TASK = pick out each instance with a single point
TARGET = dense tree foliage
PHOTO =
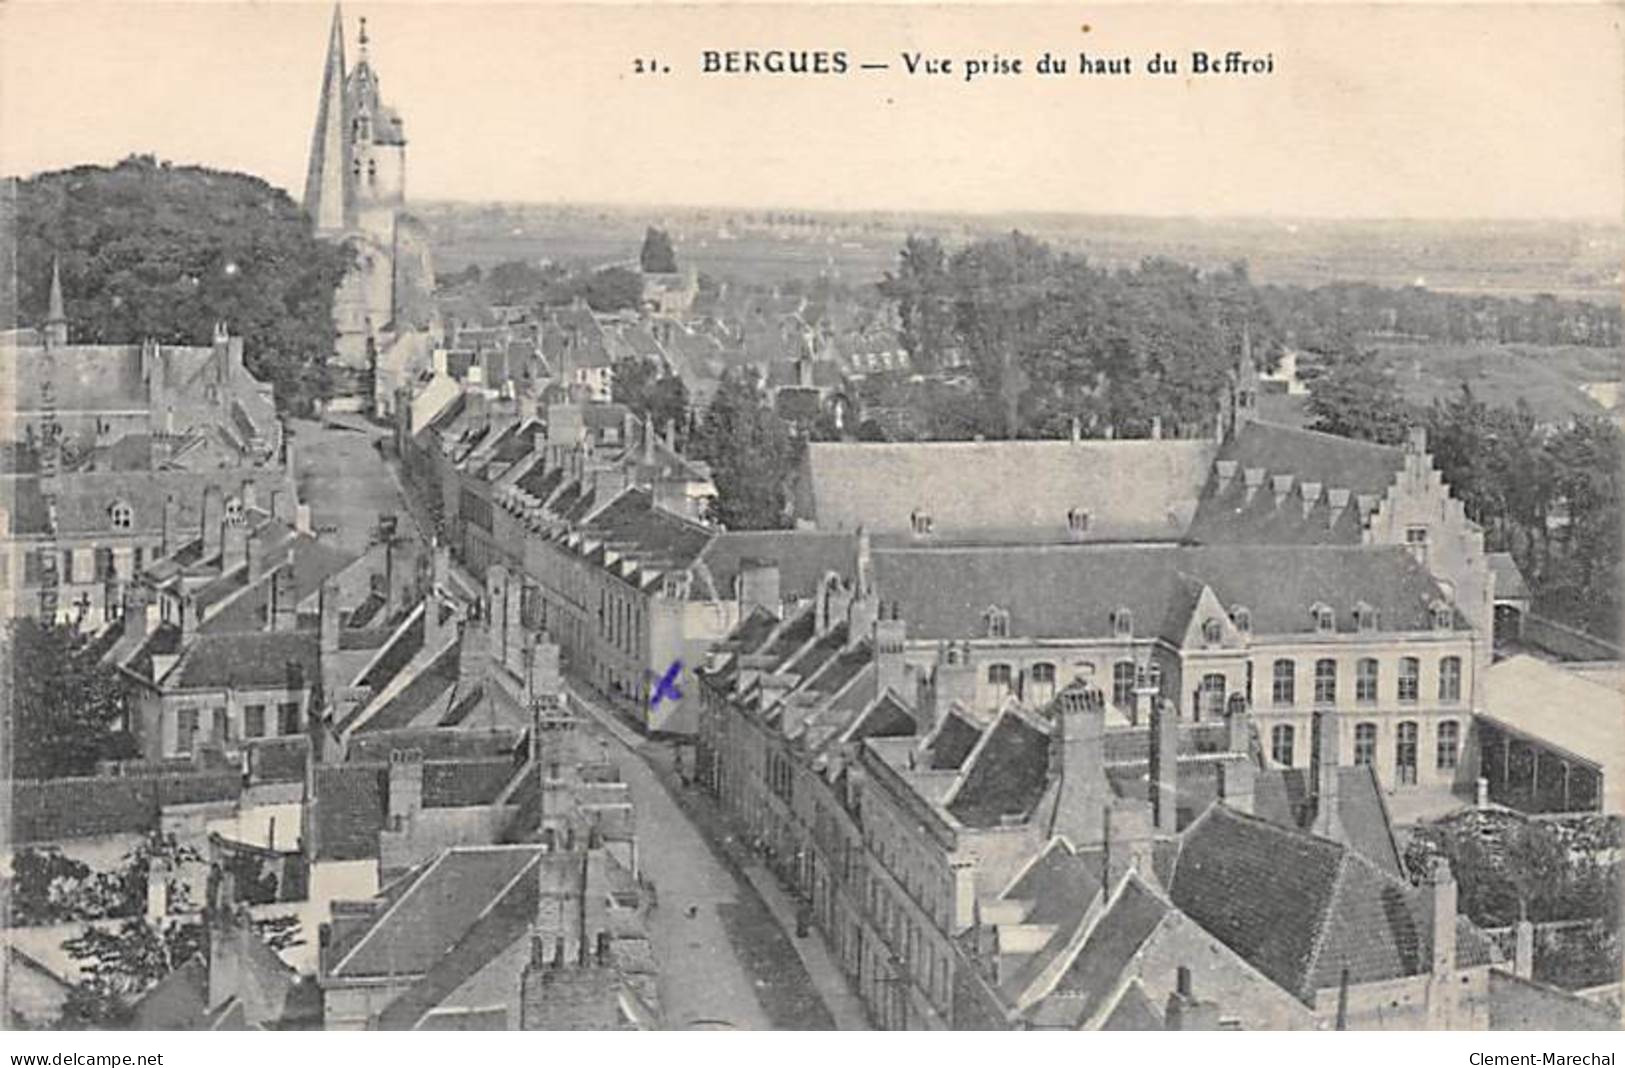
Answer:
(1350, 396)
(66, 710)
(658, 256)
(752, 456)
(151, 250)
(640, 385)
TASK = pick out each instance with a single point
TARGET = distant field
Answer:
(1548, 377)
(1567, 259)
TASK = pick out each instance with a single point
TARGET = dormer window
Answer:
(1077, 520)
(1444, 617)
(921, 523)
(121, 515)
(997, 622)
(234, 510)
(1242, 617)
(1365, 617)
(1325, 618)
(1123, 623)
(1212, 632)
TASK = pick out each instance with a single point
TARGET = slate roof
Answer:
(430, 685)
(84, 499)
(1134, 1011)
(1116, 937)
(1072, 591)
(256, 660)
(638, 529)
(803, 558)
(1509, 581)
(1300, 908)
(1281, 795)
(351, 806)
(177, 1002)
(441, 904)
(1140, 490)
(1005, 776)
(953, 740)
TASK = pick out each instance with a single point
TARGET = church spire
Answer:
(324, 181)
(56, 319)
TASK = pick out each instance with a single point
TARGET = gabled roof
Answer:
(803, 558)
(1005, 776)
(1281, 795)
(1095, 972)
(1142, 490)
(254, 660)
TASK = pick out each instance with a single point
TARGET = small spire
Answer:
(56, 314)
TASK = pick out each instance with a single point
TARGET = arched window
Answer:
(1213, 687)
(1410, 678)
(997, 622)
(1325, 681)
(1284, 682)
(1044, 673)
(1281, 739)
(1405, 753)
(1365, 743)
(1450, 678)
(1212, 632)
(121, 515)
(1365, 680)
(1123, 683)
(1449, 748)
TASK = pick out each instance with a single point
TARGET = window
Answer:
(921, 522)
(1449, 744)
(104, 564)
(1284, 682)
(234, 509)
(1450, 679)
(1123, 683)
(1365, 617)
(998, 674)
(222, 726)
(1416, 535)
(1365, 680)
(1077, 520)
(1242, 617)
(1044, 673)
(1326, 682)
(287, 717)
(1410, 678)
(1281, 745)
(1444, 617)
(1365, 743)
(1212, 632)
(185, 731)
(253, 721)
(1325, 618)
(1213, 687)
(997, 621)
(1123, 623)
(121, 515)
(1405, 753)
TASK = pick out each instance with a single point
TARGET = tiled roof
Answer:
(803, 558)
(350, 810)
(1509, 581)
(177, 1002)
(1281, 795)
(84, 500)
(952, 741)
(429, 686)
(462, 783)
(1140, 490)
(440, 906)
(434, 743)
(885, 718)
(634, 527)
(56, 809)
(1134, 1012)
(1006, 774)
(1112, 943)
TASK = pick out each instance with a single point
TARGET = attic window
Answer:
(1242, 617)
(1212, 632)
(121, 515)
(1444, 617)
(997, 621)
(1077, 520)
(921, 522)
(1123, 623)
(1365, 617)
(1325, 618)
(234, 510)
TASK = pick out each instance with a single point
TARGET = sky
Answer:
(1373, 111)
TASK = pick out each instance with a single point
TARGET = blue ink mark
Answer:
(667, 689)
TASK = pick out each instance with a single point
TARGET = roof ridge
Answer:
(1326, 436)
(1322, 926)
(379, 922)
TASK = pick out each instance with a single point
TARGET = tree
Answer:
(515, 282)
(657, 257)
(640, 384)
(751, 454)
(922, 291)
(151, 250)
(66, 708)
(1352, 398)
(613, 289)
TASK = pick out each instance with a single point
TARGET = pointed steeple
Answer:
(56, 319)
(324, 181)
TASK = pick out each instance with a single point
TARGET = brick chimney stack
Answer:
(1323, 772)
(1080, 734)
(214, 510)
(759, 587)
(405, 785)
(890, 641)
(1164, 773)
(233, 546)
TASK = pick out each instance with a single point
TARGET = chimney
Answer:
(301, 520)
(1337, 500)
(1156, 428)
(1238, 725)
(953, 680)
(214, 510)
(157, 890)
(1185, 1012)
(1077, 430)
(1080, 732)
(1442, 893)
(1523, 949)
(442, 565)
(249, 494)
(1128, 836)
(434, 633)
(1238, 784)
(544, 678)
(1252, 478)
(1226, 472)
(282, 506)
(513, 629)
(1164, 767)
(233, 546)
(648, 441)
(1323, 772)
(405, 785)
(172, 527)
(328, 640)
(284, 597)
(1416, 440)
(254, 553)
(496, 613)
(890, 635)
(137, 600)
(1481, 793)
(1282, 486)
(759, 587)
(1311, 495)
